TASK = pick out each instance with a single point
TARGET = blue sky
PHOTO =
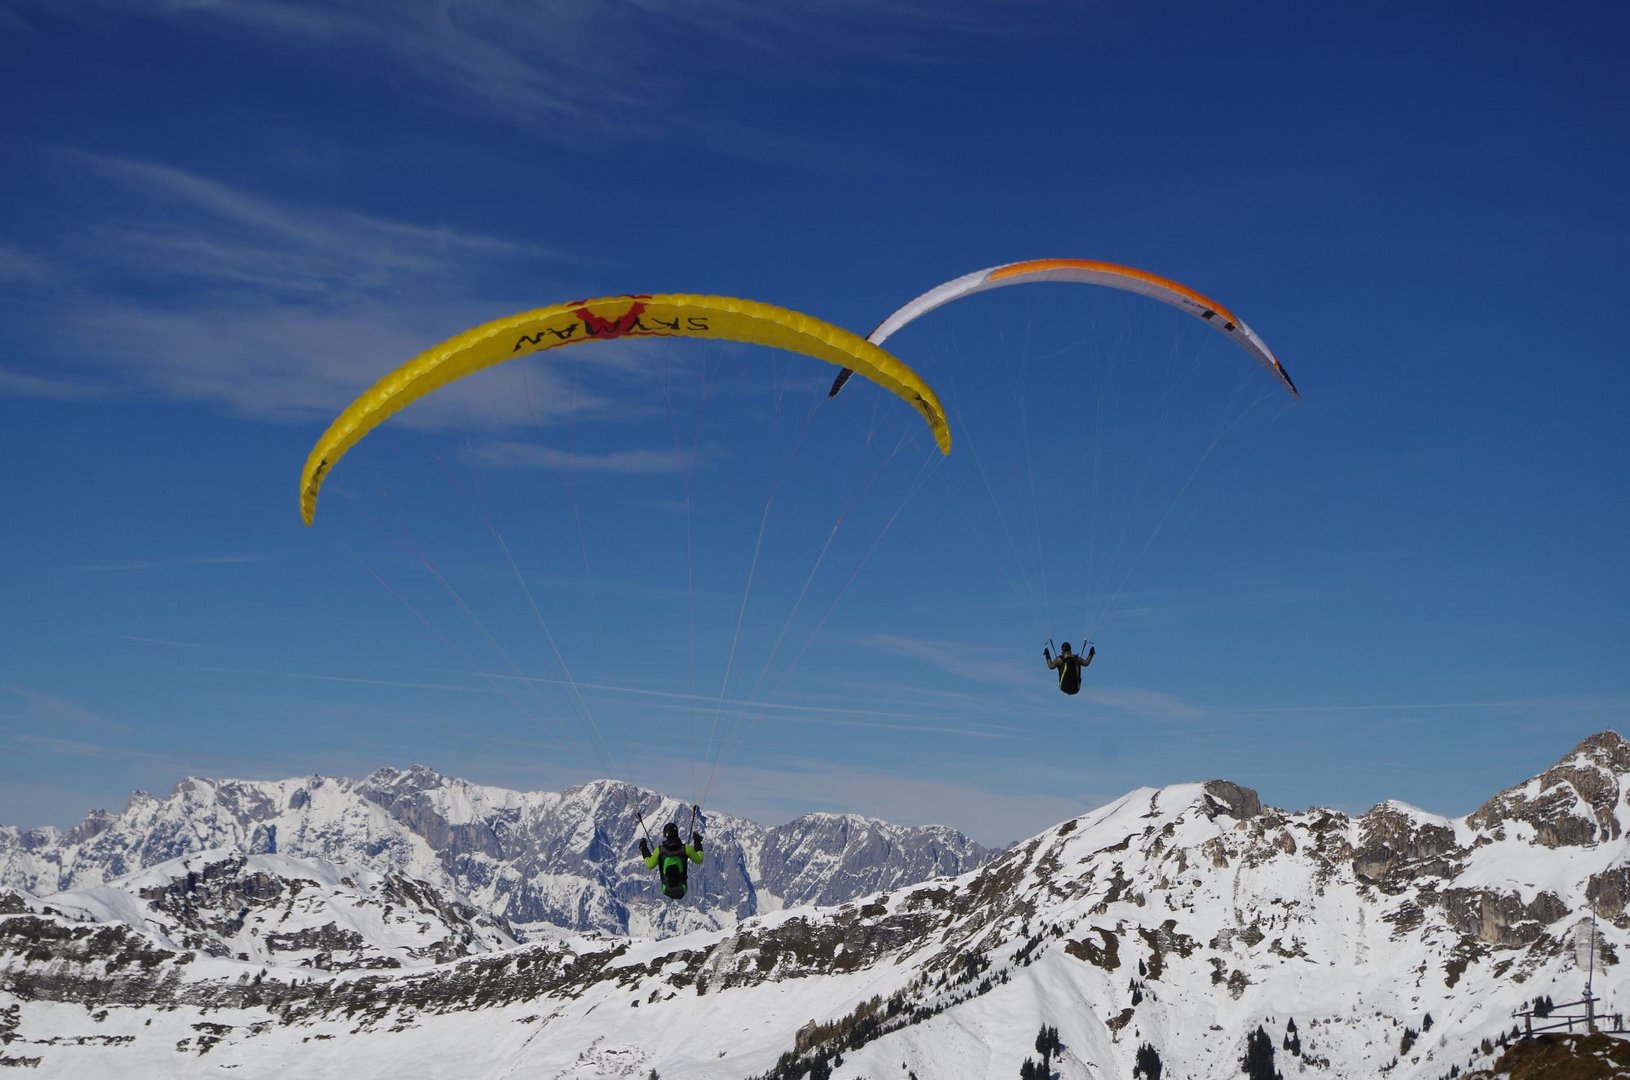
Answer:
(220, 222)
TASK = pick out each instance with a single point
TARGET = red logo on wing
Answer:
(599, 327)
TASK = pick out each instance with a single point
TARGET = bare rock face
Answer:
(96, 822)
(1574, 803)
(1609, 894)
(1395, 849)
(410, 800)
(832, 858)
(214, 898)
(1241, 803)
(1501, 918)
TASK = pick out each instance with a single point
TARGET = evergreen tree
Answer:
(1047, 1043)
(1030, 1070)
(1258, 1060)
(1149, 1065)
(1426, 1025)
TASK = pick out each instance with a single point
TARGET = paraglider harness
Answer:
(1069, 668)
(673, 856)
(671, 862)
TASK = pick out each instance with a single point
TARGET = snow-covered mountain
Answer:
(275, 909)
(535, 859)
(1169, 934)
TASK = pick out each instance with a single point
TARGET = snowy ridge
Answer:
(1175, 922)
(287, 912)
(534, 859)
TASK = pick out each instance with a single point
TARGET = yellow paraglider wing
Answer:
(662, 315)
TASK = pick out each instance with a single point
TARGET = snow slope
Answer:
(1176, 920)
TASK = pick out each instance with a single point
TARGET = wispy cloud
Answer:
(164, 564)
(278, 310)
(968, 661)
(18, 384)
(21, 267)
(605, 66)
(1148, 704)
(161, 642)
(529, 455)
(1615, 704)
(544, 63)
(294, 363)
(224, 235)
(99, 750)
(401, 684)
(285, 311)
(56, 711)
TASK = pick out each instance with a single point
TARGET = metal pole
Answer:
(1590, 977)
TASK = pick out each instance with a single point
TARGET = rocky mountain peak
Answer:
(1240, 803)
(1398, 845)
(1607, 747)
(415, 777)
(1576, 802)
(95, 823)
